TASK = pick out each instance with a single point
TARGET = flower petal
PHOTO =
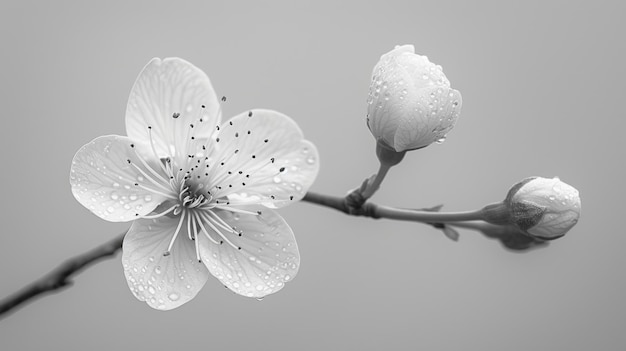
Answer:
(163, 282)
(268, 159)
(168, 96)
(434, 114)
(268, 257)
(105, 182)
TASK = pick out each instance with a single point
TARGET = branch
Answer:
(353, 204)
(60, 277)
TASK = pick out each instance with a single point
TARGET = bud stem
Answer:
(388, 158)
(374, 185)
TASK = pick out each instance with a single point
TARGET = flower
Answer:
(542, 208)
(199, 192)
(410, 102)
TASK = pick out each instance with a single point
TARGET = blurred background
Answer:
(542, 86)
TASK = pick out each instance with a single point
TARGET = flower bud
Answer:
(543, 208)
(410, 102)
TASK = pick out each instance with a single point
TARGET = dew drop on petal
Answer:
(173, 296)
(277, 179)
(147, 198)
(133, 197)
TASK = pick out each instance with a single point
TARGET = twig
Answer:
(61, 276)
(353, 204)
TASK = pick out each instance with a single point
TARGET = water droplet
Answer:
(133, 197)
(116, 185)
(110, 209)
(441, 140)
(173, 296)
(151, 290)
(114, 196)
(277, 180)
(147, 198)
(259, 287)
(157, 270)
(287, 277)
(310, 160)
(140, 178)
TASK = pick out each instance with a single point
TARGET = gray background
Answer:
(543, 94)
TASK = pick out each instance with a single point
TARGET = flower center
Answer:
(193, 183)
(188, 199)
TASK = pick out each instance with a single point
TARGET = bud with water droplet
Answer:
(410, 102)
(542, 208)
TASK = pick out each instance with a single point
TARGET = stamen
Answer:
(220, 222)
(156, 155)
(236, 210)
(206, 233)
(152, 180)
(180, 224)
(167, 195)
(209, 222)
(152, 170)
(162, 213)
(197, 239)
(189, 228)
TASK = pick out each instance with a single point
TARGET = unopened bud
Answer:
(410, 102)
(543, 208)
